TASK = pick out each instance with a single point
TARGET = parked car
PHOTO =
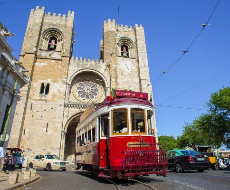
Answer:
(47, 162)
(181, 160)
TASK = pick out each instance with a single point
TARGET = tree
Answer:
(168, 142)
(210, 128)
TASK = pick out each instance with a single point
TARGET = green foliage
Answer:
(210, 128)
(168, 142)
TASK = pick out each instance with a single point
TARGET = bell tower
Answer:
(46, 53)
(123, 50)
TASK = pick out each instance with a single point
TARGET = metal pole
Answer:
(8, 115)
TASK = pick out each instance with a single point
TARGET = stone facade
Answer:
(62, 86)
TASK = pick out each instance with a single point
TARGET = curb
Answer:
(23, 184)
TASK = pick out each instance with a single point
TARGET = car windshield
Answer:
(52, 157)
(189, 152)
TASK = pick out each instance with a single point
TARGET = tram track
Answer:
(114, 184)
(145, 184)
(133, 180)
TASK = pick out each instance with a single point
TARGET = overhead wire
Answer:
(190, 45)
(192, 88)
(180, 107)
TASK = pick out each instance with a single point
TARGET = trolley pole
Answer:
(8, 115)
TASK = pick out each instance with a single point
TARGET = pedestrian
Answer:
(1, 158)
(9, 161)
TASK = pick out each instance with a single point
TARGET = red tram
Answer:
(117, 138)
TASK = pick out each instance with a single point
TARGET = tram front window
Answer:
(138, 120)
(120, 121)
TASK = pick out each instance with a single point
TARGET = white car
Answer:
(47, 162)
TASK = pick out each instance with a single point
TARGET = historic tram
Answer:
(117, 138)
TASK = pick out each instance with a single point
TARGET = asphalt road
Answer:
(71, 180)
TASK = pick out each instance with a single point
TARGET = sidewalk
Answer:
(4, 180)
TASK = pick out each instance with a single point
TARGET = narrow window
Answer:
(93, 135)
(47, 126)
(124, 51)
(89, 137)
(42, 87)
(101, 55)
(85, 140)
(52, 43)
(150, 124)
(47, 89)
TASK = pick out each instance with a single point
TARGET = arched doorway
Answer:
(70, 139)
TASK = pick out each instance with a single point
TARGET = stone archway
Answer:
(70, 138)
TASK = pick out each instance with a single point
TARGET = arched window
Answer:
(126, 47)
(52, 39)
(124, 51)
(52, 43)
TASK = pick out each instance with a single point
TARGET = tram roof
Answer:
(125, 97)
(121, 97)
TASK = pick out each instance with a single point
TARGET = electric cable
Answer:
(192, 88)
(180, 107)
(190, 45)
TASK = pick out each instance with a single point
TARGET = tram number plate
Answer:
(200, 159)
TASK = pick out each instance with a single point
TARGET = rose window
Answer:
(87, 90)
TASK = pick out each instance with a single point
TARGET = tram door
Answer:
(104, 141)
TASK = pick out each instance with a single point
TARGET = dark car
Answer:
(181, 160)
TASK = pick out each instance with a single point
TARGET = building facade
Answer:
(63, 86)
(12, 78)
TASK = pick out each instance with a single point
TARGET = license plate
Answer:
(200, 159)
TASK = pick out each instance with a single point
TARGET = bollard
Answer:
(27, 174)
(33, 172)
(13, 178)
(23, 170)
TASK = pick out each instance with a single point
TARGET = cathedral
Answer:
(61, 86)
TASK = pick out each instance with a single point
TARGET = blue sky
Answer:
(170, 26)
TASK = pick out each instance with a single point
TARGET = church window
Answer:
(52, 39)
(126, 47)
(47, 89)
(44, 89)
(52, 43)
(47, 127)
(87, 90)
(124, 51)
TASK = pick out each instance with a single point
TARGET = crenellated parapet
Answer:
(86, 61)
(109, 25)
(53, 17)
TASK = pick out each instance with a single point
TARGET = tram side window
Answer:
(89, 137)
(78, 141)
(138, 120)
(93, 135)
(105, 125)
(85, 139)
(150, 124)
(82, 139)
(120, 121)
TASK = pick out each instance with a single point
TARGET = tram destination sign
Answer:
(131, 94)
